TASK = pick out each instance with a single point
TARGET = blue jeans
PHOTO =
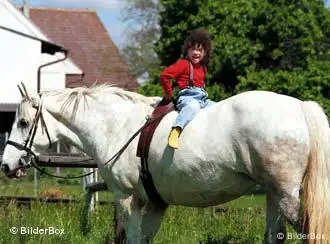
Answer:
(190, 101)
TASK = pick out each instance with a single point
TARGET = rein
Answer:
(112, 160)
(28, 144)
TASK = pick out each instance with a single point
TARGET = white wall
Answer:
(20, 58)
(52, 81)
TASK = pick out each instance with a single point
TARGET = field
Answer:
(240, 221)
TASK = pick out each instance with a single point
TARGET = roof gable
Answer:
(26, 26)
(89, 44)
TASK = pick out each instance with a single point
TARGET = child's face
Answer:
(196, 53)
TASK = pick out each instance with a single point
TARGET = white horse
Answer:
(252, 138)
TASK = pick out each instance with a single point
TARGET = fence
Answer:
(26, 200)
(59, 160)
(74, 160)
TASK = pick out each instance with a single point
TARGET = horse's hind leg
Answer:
(275, 225)
(286, 197)
(151, 220)
(289, 204)
(282, 169)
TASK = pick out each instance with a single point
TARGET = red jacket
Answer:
(180, 73)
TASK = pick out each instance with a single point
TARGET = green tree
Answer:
(312, 83)
(141, 17)
(277, 45)
(246, 33)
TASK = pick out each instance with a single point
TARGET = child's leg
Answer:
(173, 138)
(188, 108)
(207, 103)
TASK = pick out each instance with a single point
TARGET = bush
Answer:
(309, 84)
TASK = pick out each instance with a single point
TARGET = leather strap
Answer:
(143, 151)
(191, 74)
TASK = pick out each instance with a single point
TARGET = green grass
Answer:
(239, 221)
(221, 224)
(59, 216)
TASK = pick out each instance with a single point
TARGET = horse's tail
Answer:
(316, 182)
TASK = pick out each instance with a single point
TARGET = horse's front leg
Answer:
(141, 221)
(151, 219)
(130, 210)
(120, 235)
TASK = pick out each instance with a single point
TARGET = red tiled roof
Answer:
(89, 45)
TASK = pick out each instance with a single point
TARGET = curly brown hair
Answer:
(199, 36)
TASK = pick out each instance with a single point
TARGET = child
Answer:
(189, 74)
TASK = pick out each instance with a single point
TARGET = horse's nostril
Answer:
(5, 168)
(21, 161)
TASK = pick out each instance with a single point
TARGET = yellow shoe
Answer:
(173, 138)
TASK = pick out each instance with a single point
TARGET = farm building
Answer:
(35, 37)
(90, 46)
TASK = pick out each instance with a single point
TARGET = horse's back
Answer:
(230, 146)
(272, 133)
(257, 112)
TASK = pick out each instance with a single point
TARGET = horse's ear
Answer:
(20, 91)
(24, 88)
(35, 102)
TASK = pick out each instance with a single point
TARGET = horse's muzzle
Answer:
(24, 163)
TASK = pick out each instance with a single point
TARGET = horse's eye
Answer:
(23, 123)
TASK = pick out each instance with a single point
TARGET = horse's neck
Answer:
(102, 128)
(60, 132)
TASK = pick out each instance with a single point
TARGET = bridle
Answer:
(31, 159)
(28, 142)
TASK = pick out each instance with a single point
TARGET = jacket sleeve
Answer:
(172, 72)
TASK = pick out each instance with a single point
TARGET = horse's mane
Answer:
(76, 95)
(103, 89)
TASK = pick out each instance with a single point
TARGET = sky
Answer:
(109, 12)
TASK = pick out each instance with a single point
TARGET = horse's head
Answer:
(28, 133)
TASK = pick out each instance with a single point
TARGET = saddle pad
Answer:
(160, 111)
